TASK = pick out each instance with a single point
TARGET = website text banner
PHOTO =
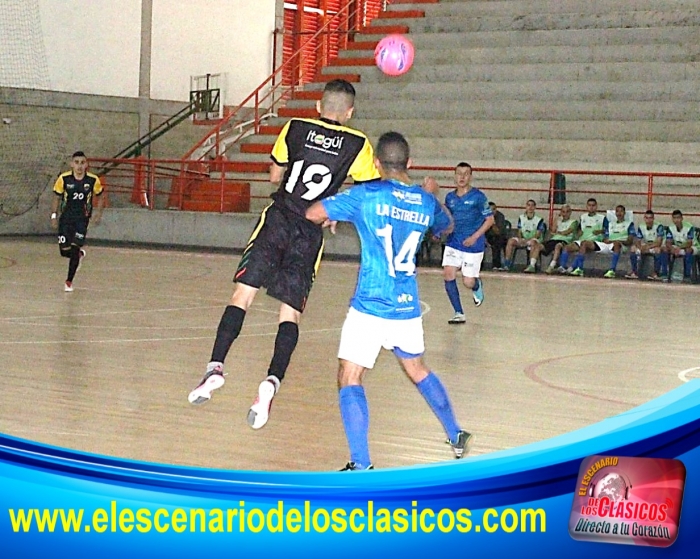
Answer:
(60, 503)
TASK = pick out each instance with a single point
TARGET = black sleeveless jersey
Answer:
(76, 194)
(319, 154)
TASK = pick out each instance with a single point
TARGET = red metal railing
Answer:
(272, 91)
(163, 184)
(649, 191)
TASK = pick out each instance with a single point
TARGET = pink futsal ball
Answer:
(394, 55)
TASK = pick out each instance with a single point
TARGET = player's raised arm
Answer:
(431, 185)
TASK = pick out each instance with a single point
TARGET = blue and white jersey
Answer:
(391, 219)
(469, 212)
(650, 235)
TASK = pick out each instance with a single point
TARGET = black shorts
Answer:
(71, 232)
(550, 245)
(282, 255)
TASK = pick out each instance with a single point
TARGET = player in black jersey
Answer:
(75, 191)
(310, 160)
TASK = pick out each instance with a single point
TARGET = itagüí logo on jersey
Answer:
(326, 142)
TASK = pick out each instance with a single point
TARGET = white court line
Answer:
(683, 374)
(138, 340)
(426, 308)
(101, 313)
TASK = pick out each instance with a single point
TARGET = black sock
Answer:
(229, 328)
(285, 343)
(74, 261)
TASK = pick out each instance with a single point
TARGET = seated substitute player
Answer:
(592, 226)
(310, 160)
(75, 191)
(619, 234)
(464, 249)
(391, 216)
(530, 232)
(562, 234)
(650, 238)
(679, 242)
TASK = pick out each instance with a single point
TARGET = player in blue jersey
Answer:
(464, 249)
(391, 216)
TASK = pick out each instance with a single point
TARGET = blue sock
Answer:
(578, 262)
(688, 263)
(355, 415)
(477, 285)
(634, 261)
(615, 260)
(435, 394)
(507, 263)
(663, 259)
(453, 295)
(657, 263)
(564, 259)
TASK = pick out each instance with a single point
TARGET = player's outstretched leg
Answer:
(354, 413)
(228, 330)
(435, 394)
(478, 292)
(285, 344)
(259, 412)
(453, 295)
(73, 265)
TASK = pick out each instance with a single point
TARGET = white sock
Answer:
(274, 380)
(533, 262)
(213, 365)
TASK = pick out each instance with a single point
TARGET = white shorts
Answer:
(364, 335)
(607, 248)
(604, 248)
(469, 262)
(652, 250)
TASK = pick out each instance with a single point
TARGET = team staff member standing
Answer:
(74, 191)
(464, 249)
(310, 160)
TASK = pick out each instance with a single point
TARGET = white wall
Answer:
(92, 46)
(195, 37)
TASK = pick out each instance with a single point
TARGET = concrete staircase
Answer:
(532, 84)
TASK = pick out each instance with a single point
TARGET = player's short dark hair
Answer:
(592, 200)
(393, 151)
(533, 202)
(463, 164)
(78, 154)
(338, 95)
(340, 86)
(621, 206)
(677, 212)
(492, 203)
(649, 212)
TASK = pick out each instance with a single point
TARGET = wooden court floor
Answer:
(107, 369)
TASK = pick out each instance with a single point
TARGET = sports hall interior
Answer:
(551, 101)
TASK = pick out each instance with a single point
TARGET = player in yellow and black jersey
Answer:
(75, 191)
(310, 160)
